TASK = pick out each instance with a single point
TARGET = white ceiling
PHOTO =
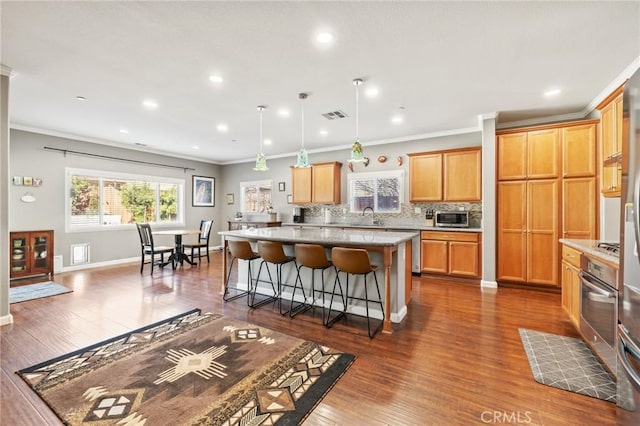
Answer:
(444, 63)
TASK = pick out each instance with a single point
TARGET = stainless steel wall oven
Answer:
(599, 308)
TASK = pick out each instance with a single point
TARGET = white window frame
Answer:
(247, 184)
(102, 174)
(353, 177)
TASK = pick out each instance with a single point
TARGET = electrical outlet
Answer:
(417, 210)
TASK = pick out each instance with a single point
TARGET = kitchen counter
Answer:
(589, 247)
(391, 249)
(399, 227)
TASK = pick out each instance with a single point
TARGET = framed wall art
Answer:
(230, 198)
(203, 191)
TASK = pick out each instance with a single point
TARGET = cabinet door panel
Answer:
(542, 153)
(579, 208)
(579, 151)
(325, 183)
(512, 231)
(512, 156)
(463, 259)
(301, 185)
(434, 256)
(462, 180)
(425, 180)
(542, 232)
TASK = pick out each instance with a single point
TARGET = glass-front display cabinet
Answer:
(31, 253)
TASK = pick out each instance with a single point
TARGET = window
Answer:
(255, 196)
(106, 200)
(380, 190)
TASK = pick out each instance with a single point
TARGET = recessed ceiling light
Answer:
(81, 98)
(215, 78)
(124, 131)
(397, 119)
(324, 37)
(195, 147)
(372, 92)
(150, 104)
(283, 112)
(267, 142)
(323, 132)
(551, 93)
(222, 127)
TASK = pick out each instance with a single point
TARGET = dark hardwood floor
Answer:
(456, 359)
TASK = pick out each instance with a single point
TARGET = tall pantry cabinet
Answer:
(546, 191)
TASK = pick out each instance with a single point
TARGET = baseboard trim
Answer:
(488, 284)
(6, 320)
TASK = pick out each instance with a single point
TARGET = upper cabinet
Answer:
(579, 151)
(529, 155)
(320, 183)
(611, 129)
(453, 175)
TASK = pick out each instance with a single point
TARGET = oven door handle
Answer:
(625, 344)
(593, 285)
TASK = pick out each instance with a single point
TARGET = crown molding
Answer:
(542, 120)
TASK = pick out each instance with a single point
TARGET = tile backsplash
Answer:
(407, 216)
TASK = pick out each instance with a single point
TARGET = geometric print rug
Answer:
(194, 368)
(567, 363)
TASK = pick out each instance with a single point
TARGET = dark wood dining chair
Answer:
(201, 244)
(148, 247)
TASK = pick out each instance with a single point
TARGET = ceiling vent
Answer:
(335, 115)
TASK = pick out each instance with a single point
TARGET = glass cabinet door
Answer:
(19, 253)
(40, 254)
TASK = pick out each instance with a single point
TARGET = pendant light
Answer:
(261, 161)
(356, 149)
(303, 157)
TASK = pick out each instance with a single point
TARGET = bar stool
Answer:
(314, 257)
(240, 249)
(273, 252)
(356, 262)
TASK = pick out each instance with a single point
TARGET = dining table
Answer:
(178, 255)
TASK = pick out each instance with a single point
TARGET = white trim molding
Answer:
(6, 320)
(488, 284)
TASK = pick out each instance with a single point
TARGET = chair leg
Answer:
(142, 262)
(331, 321)
(251, 300)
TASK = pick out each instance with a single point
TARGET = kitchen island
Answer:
(389, 249)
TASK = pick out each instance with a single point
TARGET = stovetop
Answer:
(612, 249)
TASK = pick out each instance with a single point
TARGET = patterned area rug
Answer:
(195, 368)
(36, 291)
(567, 363)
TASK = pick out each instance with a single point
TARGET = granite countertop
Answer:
(325, 236)
(399, 227)
(589, 247)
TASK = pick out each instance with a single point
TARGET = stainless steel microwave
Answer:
(452, 219)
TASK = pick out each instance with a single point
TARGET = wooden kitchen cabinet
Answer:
(579, 208)
(466, 164)
(530, 154)
(611, 130)
(571, 283)
(528, 231)
(579, 150)
(321, 183)
(425, 177)
(451, 176)
(31, 253)
(450, 253)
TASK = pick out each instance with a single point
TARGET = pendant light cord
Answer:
(302, 115)
(357, 82)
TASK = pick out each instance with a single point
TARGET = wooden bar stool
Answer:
(314, 257)
(240, 249)
(273, 252)
(355, 262)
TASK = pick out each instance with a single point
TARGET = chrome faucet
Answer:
(372, 214)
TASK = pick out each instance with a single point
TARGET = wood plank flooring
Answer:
(456, 359)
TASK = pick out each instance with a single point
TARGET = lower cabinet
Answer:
(450, 253)
(571, 283)
(31, 253)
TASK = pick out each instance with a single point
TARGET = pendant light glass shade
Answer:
(261, 160)
(303, 157)
(357, 155)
